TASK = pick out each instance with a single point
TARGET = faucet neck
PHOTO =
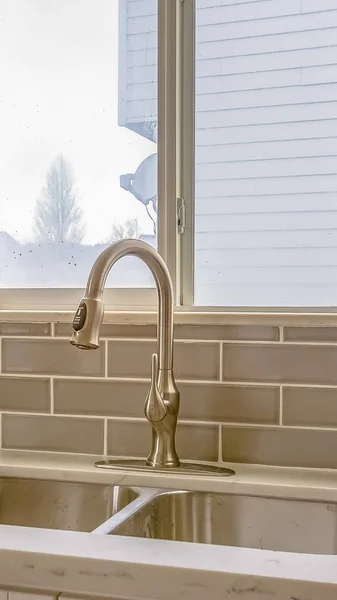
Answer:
(100, 271)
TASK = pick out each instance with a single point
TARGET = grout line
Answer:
(52, 395)
(106, 348)
(57, 415)
(221, 362)
(188, 422)
(52, 329)
(275, 426)
(281, 405)
(176, 340)
(73, 454)
(191, 341)
(37, 338)
(105, 438)
(219, 444)
(209, 382)
(187, 340)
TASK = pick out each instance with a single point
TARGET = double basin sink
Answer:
(203, 517)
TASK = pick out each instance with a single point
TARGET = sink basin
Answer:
(233, 520)
(60, 504)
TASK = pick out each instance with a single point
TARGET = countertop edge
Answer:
(139, 568)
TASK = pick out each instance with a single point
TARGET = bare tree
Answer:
(128, 229)
(58, 218)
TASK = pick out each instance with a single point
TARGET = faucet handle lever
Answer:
(155, 409)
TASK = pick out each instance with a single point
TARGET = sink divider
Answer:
(145, 495)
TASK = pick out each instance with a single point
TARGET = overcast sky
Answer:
(59, 94)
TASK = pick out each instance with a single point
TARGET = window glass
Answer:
(78, 127)
(266, 153)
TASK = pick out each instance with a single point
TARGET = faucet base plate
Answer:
(183, 469)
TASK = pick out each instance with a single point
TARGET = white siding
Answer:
(138, 64)
(266, 145)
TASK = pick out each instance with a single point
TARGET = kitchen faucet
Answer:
(162, 401)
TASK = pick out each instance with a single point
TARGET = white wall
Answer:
(266, 145)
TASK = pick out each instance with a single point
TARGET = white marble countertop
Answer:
(80, 563)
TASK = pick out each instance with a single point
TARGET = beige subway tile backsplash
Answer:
(280, 446)
(29, 329)
(310, 334)
(24, 394)
(133, 438)
(243, 397)
(50, 357)
(313, 407)
(52, 433)
(278, 363)
(191, 360)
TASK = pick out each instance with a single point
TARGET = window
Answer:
(240, 98)
(78, 165)
(266, 153)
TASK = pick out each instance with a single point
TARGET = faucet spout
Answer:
(162, 403)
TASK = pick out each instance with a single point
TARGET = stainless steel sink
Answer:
(60, 504)
(232, 520)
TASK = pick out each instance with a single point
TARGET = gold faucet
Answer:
(162, 402)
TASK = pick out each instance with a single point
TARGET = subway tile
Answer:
(63, 330)
(227, 332)
(310, 406)
(196, 360)
(31, 596)
(204, 402)
(280, 446)
(52, 357)
(133, 438)
(214, 402)
(310, 334)
(111, 330)
(8, 329)
(24, 394)
(130, 359)
(278, 363)
(191, 360)
(52, 433)
(107, 398)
